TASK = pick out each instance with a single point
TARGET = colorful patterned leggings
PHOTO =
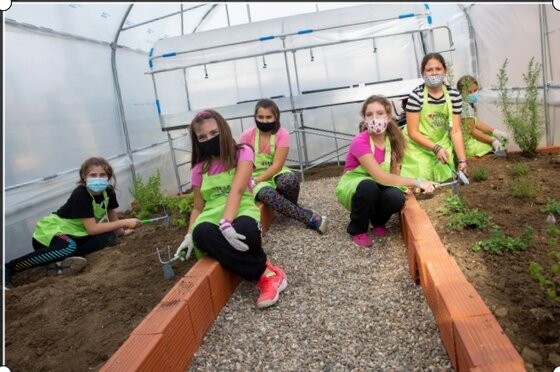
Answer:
(284, 198)
(61, 246)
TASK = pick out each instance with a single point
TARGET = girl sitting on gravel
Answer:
(369, 187)
(274, 184)
(224, 222)
(86, 223)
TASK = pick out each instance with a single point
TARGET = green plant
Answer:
(148, 196)
(480, 174)
(520, 169)
(525, 119)
(469, 219)
(549, 280)
(524, 187)
(499, 242)
(552, 207)
(453, 204)
(182, 206)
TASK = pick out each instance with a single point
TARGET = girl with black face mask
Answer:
(224, 221)
(274, 184)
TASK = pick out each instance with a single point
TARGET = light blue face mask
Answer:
(473, 97)
(97, 184)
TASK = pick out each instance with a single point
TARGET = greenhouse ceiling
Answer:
(140, 25)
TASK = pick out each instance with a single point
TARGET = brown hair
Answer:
(228, 146)
(94, 162)
(430, 56)
(270, 104)
(396, 137)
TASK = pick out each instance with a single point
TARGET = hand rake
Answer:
(165, 219)
(168, 272)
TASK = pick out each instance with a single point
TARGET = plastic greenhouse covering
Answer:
(123, 80)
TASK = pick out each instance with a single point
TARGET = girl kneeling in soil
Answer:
(86, 223)
(480, 138)
(276, 185)
(224, 222)
(369, 186)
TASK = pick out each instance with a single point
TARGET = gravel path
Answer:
(345, 307)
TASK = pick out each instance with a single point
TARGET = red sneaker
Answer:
(271, 286)
(363, 240)
(379, 231)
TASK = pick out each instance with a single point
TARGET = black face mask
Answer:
(264, 127)
(211, 147)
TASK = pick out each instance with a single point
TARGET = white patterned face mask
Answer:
(377, 126)
(434, 80)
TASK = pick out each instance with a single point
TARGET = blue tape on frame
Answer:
(267, 38)
(308, 31)
(172, 54)
(151, 64)
(429, 19)
(158, 108)
(151, 52)
(407, 15)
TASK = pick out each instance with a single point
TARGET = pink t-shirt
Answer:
(358, 147)
(244, 153)
(281, 139)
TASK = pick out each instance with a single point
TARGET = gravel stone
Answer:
(345, 307)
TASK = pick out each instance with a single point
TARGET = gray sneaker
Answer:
(68, 266)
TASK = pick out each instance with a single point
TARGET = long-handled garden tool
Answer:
(165, 219)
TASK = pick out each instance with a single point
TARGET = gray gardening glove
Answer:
(497, 145)
(499, 134)
(186, 244)
(233, 238)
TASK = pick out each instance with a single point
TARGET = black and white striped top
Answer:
(416, 98)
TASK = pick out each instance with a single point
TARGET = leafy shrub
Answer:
(525, 119)
(148, 196)
(182, 206)
(499, 242)
(480, 174)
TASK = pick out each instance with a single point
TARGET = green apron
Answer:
(263, 162)
(474, 147)
(215, 190)
(435, 123)
(348, 183)
(52, 225)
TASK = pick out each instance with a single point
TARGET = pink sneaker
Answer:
(363, 240)
(379, 231)
(271, 286)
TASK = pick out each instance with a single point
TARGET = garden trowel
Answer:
(502, 153)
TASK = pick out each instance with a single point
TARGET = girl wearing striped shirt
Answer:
(433, 133)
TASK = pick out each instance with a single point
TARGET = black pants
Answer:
(61, 247)
(373, 203)
(249, 265)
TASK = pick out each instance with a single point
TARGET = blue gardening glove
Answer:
(233, 238)
(188, 244)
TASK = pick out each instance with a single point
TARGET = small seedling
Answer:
(480, 174)
(470, 219)
(499, 242)
(520, 169)
(552, 207)
(524, 187)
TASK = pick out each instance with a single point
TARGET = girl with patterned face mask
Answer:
(371, 188)
(433, 136)
(275, 185)
(86, 223)
(480, 138)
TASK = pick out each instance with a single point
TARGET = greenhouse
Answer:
(124, 81)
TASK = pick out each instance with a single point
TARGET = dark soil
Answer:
(530, 319)
(75, 323)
